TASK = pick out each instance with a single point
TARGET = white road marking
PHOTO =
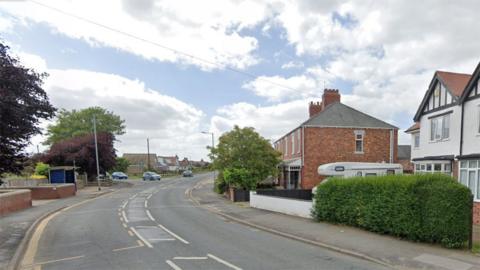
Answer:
(130, 232)
(190, 258)
(131, 198)
(145, 204)
(174, 266)
(174, 235)
(125, 204)
(141, 238)
(150, 215)
(145, 227)
(124, 225)
(224, 262)
(126, 248)
(149, 196)
(60, 260)
(124, 216)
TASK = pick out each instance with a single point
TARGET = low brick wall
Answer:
(14, 200)
(48, 192)
(476, 213)
(287, 206)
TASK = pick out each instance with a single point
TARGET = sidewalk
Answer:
(14, 226)
(395, 252)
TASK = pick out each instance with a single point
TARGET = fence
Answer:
(299, 194)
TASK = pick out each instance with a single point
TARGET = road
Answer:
(153, 225)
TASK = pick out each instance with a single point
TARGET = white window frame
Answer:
(298, 141)
(430, 167)
(416, 140)
(439, 131)
(466, 168)
(292, 138)
(360, 133)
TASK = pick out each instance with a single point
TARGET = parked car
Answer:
(187, 173)
(151, 176)
(119, 175)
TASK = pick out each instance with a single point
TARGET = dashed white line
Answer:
(124, 216)
(150, 215)
(174, 235)
(149, 196)
(141, 238)
(224, 262)
(174, 266)
(125, 204)
(161, 239)
(145, 204)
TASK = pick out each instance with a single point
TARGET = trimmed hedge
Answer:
(430, 208)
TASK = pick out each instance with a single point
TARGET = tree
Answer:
(23, 103)
(241, 152)
(81, 149)
(42, 169)
(75, 123)
(121, 165)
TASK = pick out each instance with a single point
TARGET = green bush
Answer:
(430, 208)
(42, 169)
(239, 178)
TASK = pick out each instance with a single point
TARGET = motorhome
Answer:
(351, 169)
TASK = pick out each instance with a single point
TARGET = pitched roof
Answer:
(169, 161)
(415, 126)
(455, 82)
(340, 115)
(471, 84)
(404, 151)
(135, 159)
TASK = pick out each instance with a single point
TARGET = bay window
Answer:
(470, 176)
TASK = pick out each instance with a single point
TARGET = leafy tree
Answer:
(42, 169)
(23, 103)
(121, 165)
(240, 152)
(81, 149)
(79, 122)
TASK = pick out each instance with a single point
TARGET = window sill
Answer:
(360, 153)
(439, 141)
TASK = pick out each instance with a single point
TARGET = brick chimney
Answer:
(314, 108)
(329, 96)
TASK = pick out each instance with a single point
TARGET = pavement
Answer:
(394, 252)
(155, 225)
(14, 226)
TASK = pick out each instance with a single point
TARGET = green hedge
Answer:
(429, 207)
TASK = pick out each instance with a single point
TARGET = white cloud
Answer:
(293, 64)
(208, 31)
(173, 125)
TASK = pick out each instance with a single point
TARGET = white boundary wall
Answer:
(287, 206)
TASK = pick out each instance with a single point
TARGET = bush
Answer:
(240, 178)
(430, 208)
(42, 169)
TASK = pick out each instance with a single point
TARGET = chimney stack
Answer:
(329, 96)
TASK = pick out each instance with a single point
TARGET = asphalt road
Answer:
(153, 225)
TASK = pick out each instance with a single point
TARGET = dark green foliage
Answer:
(121, 165)
(428, 208)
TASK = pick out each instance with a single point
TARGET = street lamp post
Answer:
(96, 151)
(213, 146)
(148, 154)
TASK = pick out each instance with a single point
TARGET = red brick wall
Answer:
(51, 191)
(288, 140)
(476, 213)
(326, 145)
(407, 165)
(14, 201)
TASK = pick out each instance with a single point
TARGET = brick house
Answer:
(334, 132)
(138, 162)
(446, 133)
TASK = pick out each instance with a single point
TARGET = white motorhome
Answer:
(351, 169)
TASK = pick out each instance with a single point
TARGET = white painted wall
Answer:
(450, 146)
(287, 206)
(471, 137)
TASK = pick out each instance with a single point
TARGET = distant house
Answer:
(184, 164)
(446, 133)
(138, 162)
(404, 156)
(334, 132)
(199, 164)
(168, 163)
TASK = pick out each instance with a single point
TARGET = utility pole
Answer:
(148, 154)
(213, 146)
(96, 151)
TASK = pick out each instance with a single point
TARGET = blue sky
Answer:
(379, 68)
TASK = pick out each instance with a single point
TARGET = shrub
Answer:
(42, 169)
(240, 178)
(431, 208)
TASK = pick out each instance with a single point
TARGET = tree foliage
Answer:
(81, 149)
(75, 123)
(42, 169)
(246, 151)
(121, 165)
(23, 103)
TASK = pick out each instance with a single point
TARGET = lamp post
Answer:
(96, 151)
(213, 146)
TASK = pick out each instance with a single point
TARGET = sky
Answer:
(173, 69)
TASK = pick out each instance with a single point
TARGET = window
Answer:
(292, 138)
(440, 128)
(370, 174)
(285, 146)
(416, 140)
(389, 172)
(359, 141)
(470, 176)
(359, 173)
(434, 167)
(298, 140)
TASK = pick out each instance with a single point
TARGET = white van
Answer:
(351, 169)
